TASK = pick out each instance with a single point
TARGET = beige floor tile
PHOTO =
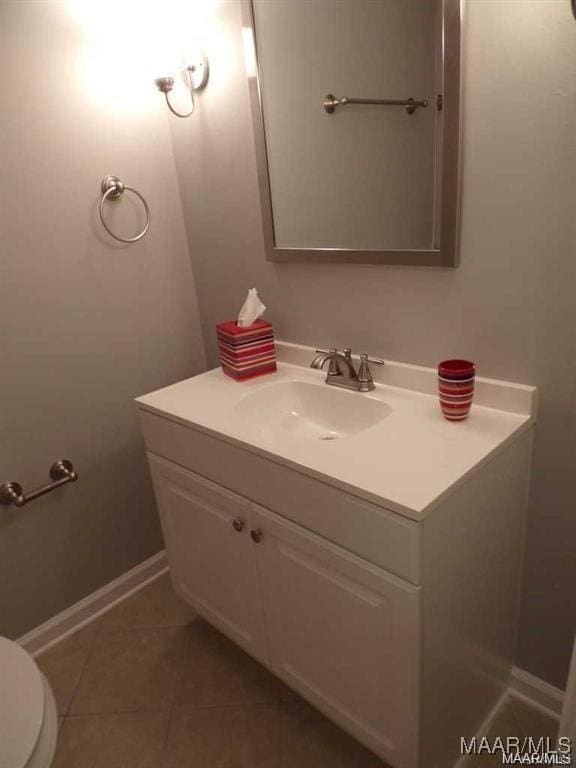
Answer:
(152, 607)
(309, 740)
(533, 722)
(63, 665)
(111, 741)
(505, 723)
(224, 737)
(131, 671)
(216, 672)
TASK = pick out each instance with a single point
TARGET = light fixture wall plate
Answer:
(195, 70)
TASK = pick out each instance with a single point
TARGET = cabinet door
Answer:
(211, 555)
(343, 633)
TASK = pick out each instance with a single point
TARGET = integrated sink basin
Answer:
(309, 410)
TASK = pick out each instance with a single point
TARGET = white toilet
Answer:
(28, 717)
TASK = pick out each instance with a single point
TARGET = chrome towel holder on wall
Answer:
(113, 189)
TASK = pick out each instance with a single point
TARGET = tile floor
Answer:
(150, 685)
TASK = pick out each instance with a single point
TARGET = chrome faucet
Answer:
(341, 371)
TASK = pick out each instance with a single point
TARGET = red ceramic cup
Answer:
(456, 388)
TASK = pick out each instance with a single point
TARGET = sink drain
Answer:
(329, 436)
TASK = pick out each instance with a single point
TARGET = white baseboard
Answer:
(91, 607)
(536, 692)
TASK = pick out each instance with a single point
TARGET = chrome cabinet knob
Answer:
(256, 536)
(238, 525)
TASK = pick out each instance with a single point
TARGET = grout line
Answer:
(184, 710)
(275, 706)
(81, 675)
(177, 682)
(281, 734)
(242, 704)
(116, 713)
(102, 631)
(61, 726)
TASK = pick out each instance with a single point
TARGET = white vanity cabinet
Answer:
(339, 630)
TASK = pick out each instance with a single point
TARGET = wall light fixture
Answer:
(195, 76)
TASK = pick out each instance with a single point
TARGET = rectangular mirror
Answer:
(356, 107)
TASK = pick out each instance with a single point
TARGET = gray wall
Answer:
(511, 304)
(85, 326)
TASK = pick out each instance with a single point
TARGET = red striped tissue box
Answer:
(246, 352)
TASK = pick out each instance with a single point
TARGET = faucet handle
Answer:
(376, 360)
(364, 373)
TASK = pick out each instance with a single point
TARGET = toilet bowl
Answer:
(28, 718)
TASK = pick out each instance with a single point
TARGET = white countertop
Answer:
(406, 463)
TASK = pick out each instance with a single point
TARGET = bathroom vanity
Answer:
(364, 549)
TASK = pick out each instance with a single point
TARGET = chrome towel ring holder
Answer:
(113, 189)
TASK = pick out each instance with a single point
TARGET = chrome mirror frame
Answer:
(445, 251)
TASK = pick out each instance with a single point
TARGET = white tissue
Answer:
(252, 309)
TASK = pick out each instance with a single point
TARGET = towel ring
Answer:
(113, 189)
